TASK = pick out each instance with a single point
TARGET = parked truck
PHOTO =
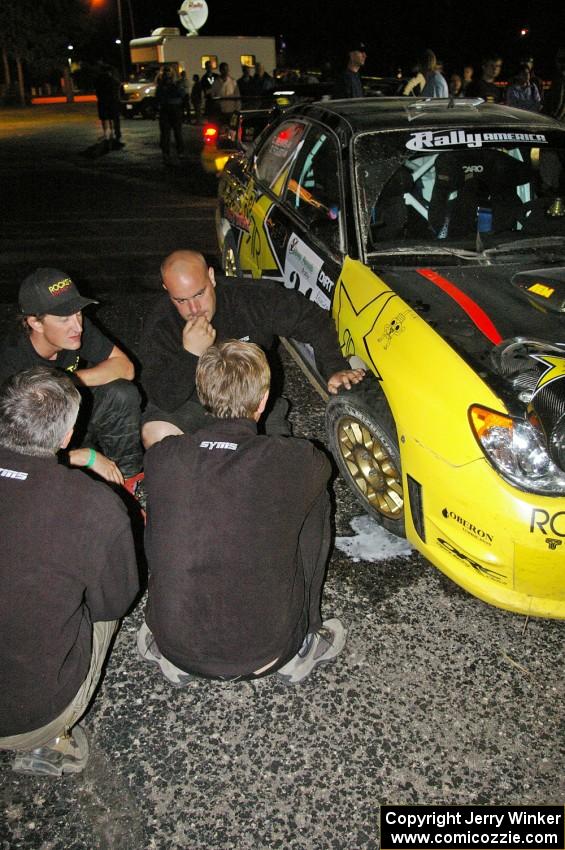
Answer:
(188, 53)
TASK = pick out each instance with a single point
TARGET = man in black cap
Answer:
(348, 83)
(56, 334)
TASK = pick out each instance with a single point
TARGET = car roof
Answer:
(414, 113)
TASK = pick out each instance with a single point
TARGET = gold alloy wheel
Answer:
(230, 263)
(371, 467)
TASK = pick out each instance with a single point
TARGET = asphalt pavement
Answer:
(437, 698)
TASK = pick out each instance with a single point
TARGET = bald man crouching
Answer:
(200, 309)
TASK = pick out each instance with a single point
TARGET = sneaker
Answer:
(149, 651)
(66, 754)
(318, 648)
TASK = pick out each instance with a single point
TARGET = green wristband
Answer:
(91, 458)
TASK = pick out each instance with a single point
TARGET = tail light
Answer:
(210, 134)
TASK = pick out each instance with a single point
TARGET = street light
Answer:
(67, 75)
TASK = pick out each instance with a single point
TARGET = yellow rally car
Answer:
(434, 231)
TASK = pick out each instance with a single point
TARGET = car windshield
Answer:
(415, 197)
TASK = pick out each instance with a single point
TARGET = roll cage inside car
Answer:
(460, 196)
(375, 191)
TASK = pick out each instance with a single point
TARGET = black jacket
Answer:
(226, 508)
(67, 560)
(348, 84)
(255, 311)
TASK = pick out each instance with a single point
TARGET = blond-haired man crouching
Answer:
(237, 538)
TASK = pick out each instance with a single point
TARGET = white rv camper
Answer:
(189, 53)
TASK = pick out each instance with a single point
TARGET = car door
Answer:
(311, 246)
(307, 229)
(262, 194)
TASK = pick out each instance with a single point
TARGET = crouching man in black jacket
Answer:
(67, 572)
(202, 309)
(236, 559)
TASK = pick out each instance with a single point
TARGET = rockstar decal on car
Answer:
(555, 369)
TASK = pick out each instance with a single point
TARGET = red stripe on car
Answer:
(475, 313)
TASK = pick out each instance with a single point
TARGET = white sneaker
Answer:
(318, 648)
(65, 754)
(150, 652)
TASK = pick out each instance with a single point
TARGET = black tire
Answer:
(363, 440)
(148, 110)
(230, 259)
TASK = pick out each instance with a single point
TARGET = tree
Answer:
(34, 34)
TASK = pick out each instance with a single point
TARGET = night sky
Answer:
(395, 33)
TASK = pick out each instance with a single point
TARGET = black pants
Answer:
(111, 421)
(117, 125)
(313, 550)
(313, 547)
(170, 118)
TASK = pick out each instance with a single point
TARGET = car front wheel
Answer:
(363, 440)
(230, 261)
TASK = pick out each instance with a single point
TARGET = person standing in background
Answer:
(456, 85)
(206, 83)
(196, 98)
(468, 72)
(534, 78)
(169, 95)
(261, 82)
(107, 86)
(554, 102)
(486, 87)
(245, 82)
(415, 83)
(522, 93)
(436, 84)
(225, 93)
(183, 83)
(348, 84)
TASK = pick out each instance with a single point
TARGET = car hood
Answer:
(500, 319)
(476, 307)
(135, 87)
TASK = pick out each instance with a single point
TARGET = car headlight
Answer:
(517, 450)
